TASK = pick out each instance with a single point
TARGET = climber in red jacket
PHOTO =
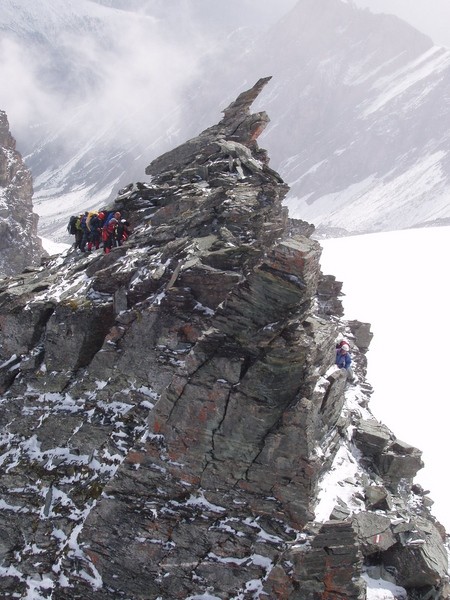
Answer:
(109, 233)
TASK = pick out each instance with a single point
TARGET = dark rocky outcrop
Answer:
(172, 415)
(19, 244)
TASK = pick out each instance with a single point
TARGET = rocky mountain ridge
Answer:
(20, 245)
(172, 416)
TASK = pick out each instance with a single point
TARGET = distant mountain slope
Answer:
(361, 122)
(358, 102)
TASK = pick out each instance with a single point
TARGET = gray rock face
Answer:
(19, 245)
(362, 333)
(171, 413)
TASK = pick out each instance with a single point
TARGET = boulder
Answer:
(419, 559)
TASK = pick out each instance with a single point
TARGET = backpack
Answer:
(88, 219)
(72, 225)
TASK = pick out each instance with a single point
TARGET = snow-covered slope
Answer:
(393, 281)
(360, 123)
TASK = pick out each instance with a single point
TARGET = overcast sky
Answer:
(429, 16)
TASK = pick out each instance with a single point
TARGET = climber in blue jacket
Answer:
(344, 360)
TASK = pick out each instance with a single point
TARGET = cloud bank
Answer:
(89, 67)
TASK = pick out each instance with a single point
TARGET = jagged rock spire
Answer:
(237, 125)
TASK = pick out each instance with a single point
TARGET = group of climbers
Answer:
(91, 229)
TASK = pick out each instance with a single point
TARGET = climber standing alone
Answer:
(344, 360)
